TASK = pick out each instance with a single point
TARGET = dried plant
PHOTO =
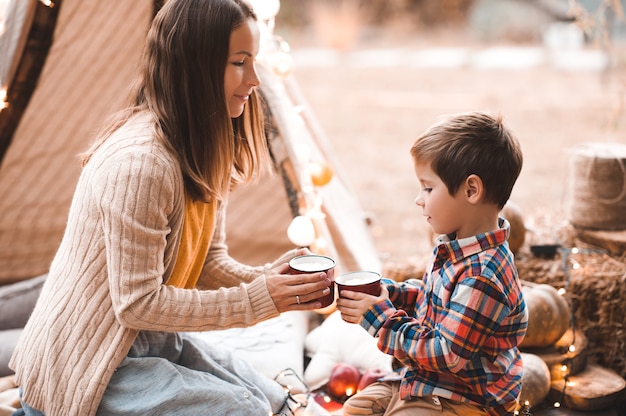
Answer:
(598, 25)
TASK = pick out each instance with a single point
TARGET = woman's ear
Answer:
(474, 189)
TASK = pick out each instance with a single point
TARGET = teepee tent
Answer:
(65, 65)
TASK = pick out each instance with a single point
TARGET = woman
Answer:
(144, 254)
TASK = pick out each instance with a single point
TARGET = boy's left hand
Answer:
(353, 305)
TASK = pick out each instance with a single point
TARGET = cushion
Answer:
(8, 341)
(17, 301)
(337, 341)
(271, 346)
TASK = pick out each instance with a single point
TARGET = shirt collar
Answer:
(457, 250)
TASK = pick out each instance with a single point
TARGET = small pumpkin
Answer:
(535, 380)
(513, 214)
(548, 315)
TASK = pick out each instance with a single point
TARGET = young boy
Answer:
(455, 333)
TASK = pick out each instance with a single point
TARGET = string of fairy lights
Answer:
(308, 228)
(4, 14)
(568, 264)
(4, 6)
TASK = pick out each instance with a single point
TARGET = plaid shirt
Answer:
(456, 331)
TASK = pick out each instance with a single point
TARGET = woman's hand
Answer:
(296, 292)
(286, 257)
(353, 305)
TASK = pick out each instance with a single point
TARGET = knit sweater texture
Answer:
(108, 279)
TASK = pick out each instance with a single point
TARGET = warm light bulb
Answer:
(4, 6)
(321, 173)
(282, 63)
(575, 265)
(47, 3)
(557, 404)
(326, 399)
(301, 231)
(349, 391)
(572, 348)
(561, 291)
(3, 99)
(575, 250)
(564, 368)
(316, 213)
(319, 245)
(303, 150)
(265, 9)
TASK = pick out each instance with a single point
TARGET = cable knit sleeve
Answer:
(221, 270)
(136, 193)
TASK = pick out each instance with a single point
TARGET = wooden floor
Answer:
(616, 411)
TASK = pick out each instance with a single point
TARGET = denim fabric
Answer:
(179, 374)
(26, 410)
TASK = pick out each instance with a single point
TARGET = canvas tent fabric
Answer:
(91, 62)
(86, 74)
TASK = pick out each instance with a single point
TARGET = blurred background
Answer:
(377, 73)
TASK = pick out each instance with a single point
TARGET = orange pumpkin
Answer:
(548, 315)
(513, 214)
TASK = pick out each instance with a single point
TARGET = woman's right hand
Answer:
(296, 292)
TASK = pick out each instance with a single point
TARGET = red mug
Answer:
(313, 263)
(359, 281)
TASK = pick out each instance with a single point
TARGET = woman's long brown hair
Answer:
(182, 86)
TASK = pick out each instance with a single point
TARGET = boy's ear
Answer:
(474, 189)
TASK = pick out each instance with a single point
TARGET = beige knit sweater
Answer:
(106, 281)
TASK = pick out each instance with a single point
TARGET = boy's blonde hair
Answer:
(472, 143)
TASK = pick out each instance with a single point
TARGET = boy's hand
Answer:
(353, 305)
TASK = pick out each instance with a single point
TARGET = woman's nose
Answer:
(253, 78)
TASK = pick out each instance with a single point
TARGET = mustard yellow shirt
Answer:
(197, 232)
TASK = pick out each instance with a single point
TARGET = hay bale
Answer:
(413, 268)
(596, 285)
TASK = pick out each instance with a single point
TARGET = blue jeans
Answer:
(26, 410)
(179, 374)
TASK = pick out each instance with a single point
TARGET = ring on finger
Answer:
(298, 299)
